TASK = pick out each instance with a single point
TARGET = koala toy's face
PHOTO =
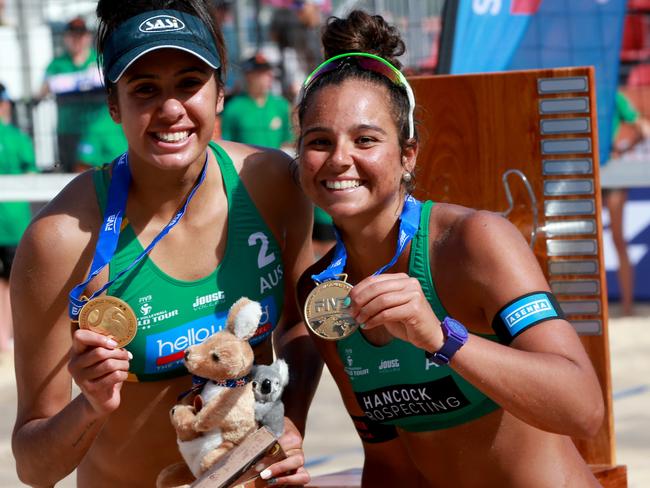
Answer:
(222, 356)
(267, 384)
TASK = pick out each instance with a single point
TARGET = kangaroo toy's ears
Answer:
(244, 317)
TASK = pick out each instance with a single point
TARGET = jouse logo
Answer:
(161, 23)
(201, 301)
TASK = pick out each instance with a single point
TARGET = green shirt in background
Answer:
(16, 157)
(102, 141)
(78, 89)
(243, 120)
(624, 111)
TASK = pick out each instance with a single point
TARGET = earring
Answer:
(407, 177)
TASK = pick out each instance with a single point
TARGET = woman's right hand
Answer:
(99, 368)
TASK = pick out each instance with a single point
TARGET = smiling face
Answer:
(167, 103)
(351, 162)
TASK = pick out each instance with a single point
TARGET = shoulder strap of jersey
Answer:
(420, 263)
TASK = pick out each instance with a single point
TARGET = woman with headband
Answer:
(451, 355)
(152, 250)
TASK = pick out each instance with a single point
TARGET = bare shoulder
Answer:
(479, 260)
(477, 235)
(266, 160)
(270, 177)
(263, 169)
(59, 234)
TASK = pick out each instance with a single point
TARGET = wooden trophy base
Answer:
(240, 467)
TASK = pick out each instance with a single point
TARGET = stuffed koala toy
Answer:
(268, 384)
(223, 415)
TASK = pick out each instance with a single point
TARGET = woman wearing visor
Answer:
(160, 242)
(450, 353)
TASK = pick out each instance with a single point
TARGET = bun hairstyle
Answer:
(362, 32)
(112, 13)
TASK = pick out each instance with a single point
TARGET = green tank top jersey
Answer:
(173, 314)
(396, 384)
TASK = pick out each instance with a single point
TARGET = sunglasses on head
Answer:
(367, 62)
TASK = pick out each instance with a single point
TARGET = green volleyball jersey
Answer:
(173, 314)
(396, 384)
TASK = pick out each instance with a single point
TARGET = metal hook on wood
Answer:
(511, 203)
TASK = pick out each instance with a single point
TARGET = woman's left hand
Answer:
(397, 302)
(291, 470)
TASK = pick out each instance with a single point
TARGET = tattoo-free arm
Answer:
(544, 377)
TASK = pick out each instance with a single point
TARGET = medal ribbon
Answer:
(408, 226)
(109, 233)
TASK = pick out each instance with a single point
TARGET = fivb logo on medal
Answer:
(161, 23)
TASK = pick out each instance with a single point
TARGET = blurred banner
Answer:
(502, 35)
(487, 34)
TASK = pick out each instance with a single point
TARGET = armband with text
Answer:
(525, 312)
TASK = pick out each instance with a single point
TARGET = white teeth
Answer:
(342, 185)
(173, 136)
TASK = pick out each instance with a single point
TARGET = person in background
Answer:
(101, 142)
(257, 116)
(295, 28)
(614, 198)
(16, 157)
(74, 79)
(176, 231)
(451, 354)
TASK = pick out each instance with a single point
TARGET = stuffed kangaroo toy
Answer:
(223, 414)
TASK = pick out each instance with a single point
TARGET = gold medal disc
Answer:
(110, 316)
(325, 313)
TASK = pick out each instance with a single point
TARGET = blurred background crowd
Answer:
(49, 67)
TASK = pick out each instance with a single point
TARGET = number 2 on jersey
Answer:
(264, 258)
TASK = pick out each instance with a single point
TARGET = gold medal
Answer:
(110, 316)
(325, 313)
